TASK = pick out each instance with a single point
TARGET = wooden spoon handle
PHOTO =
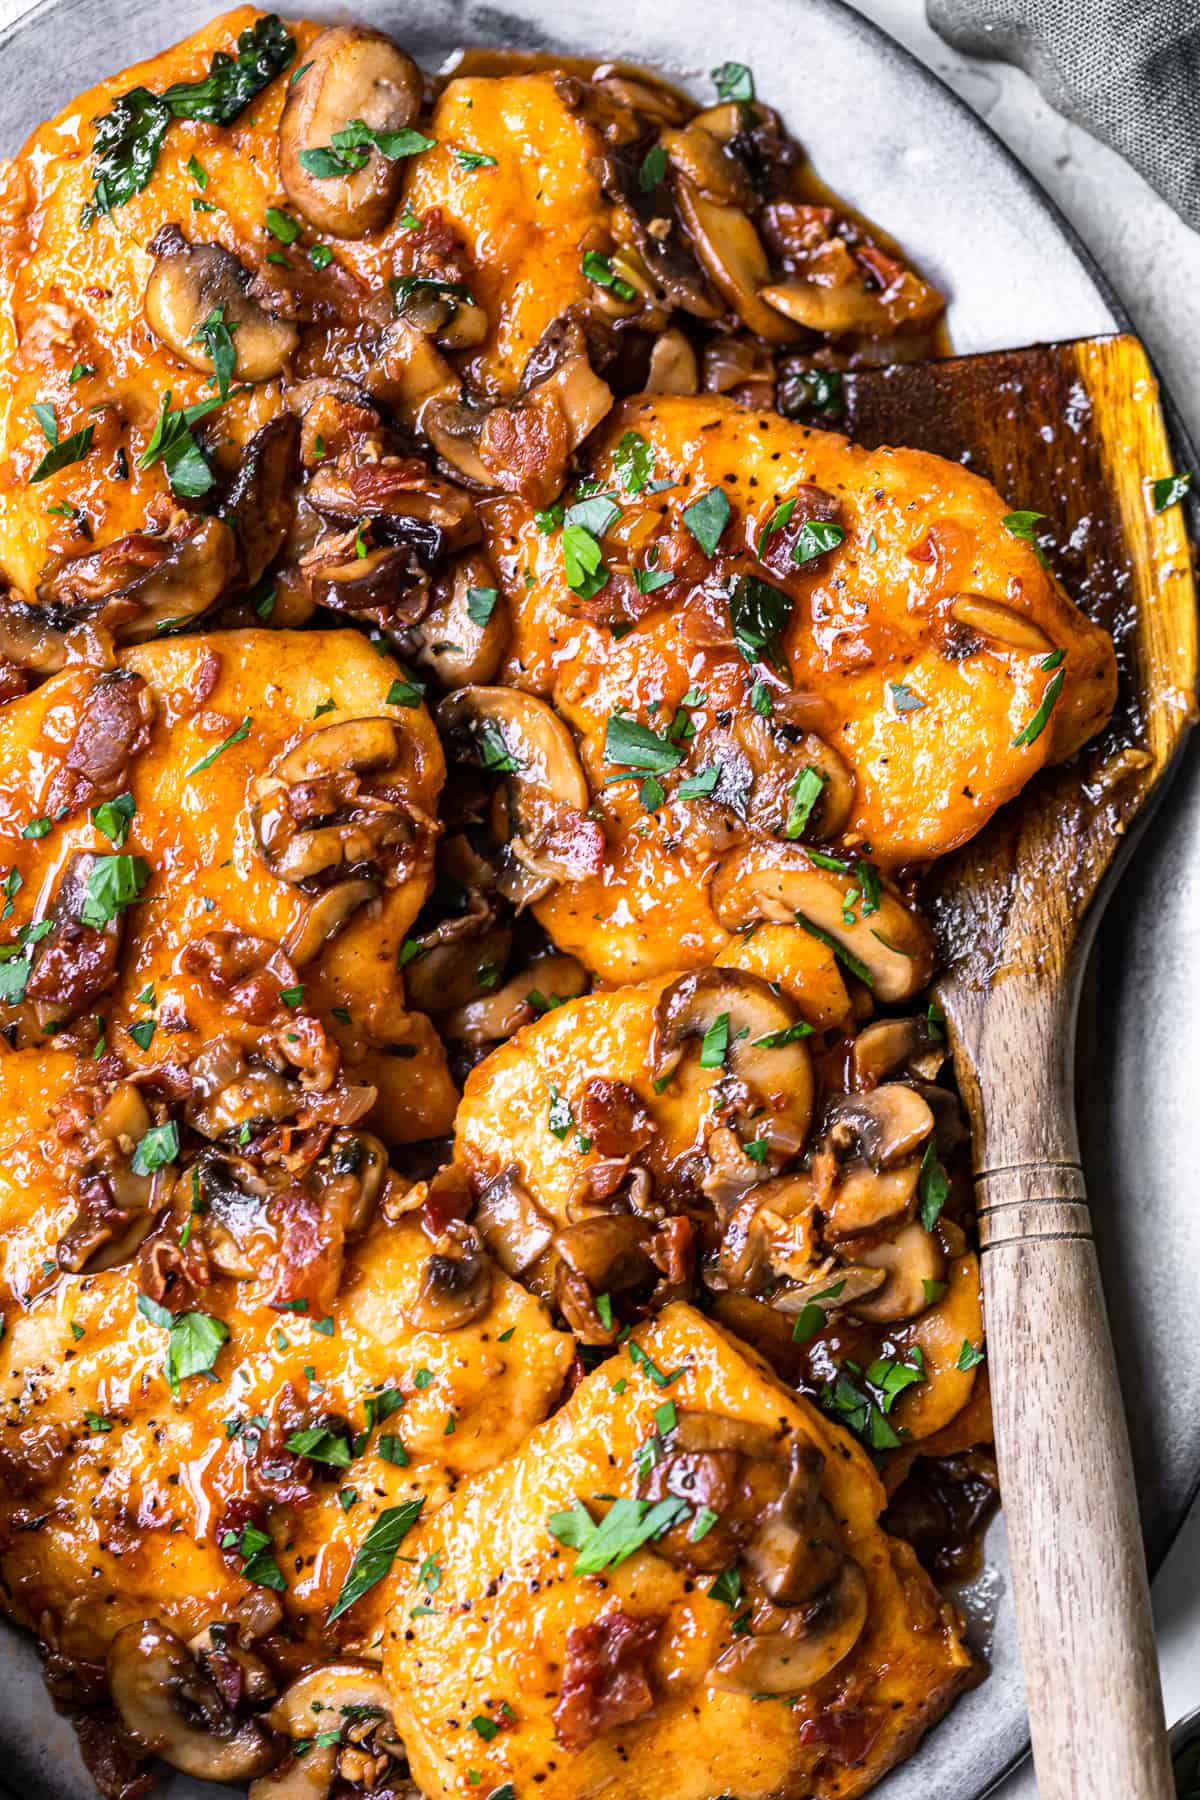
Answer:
(1078, 1569)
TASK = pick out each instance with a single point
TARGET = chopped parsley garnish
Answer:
(700, 785)
(320, 255)
(62, 452)
(707, 517)
(194, 1340)
(405, 693)
(113, 883)
(1024, 525)
(638, 1356)
(598, 268)
(758, 613)
(1041, 717)
(78, 372)
(377, 1552)
(258, 1557)
(812, 1316)
(350, 148)
(863, 1407)
(714, 1047)
(904, 699)
(803, 795)
(634, 457)
(790, 1034)
(626, 1526)
(815, 537)
(481, 604)
(474, 159)
(217, 338)
(320, 1444)
(727, 1588)
(633, 746)
(129, 137)
(734, 81)
(235, 737)
(560, 1119)
(114, 817)
(172, 444)
(583, 561)
(281, 225)
(38, 828)
(968, 1356)
(654, 167)
(844, 956)
(933, 1189)
(159, 1147)
(549, 518)
(143, 1033)
(487, 1729)
(1170, 490)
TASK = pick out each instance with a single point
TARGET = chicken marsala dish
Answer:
(489, 1293)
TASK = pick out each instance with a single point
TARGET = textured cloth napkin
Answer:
(1126, 70)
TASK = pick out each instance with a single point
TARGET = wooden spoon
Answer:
(1074, 431)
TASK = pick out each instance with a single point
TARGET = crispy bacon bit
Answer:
(605, 1679)
(308, 1262)
(117, 1773)
(673, 1252)
(610, 1113)
(375, 483)
(524, 448)
(113, 729)
(165, 1268)
(250, 972)
(574, 843)
(812, 505)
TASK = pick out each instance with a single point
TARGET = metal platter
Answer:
(898, 146)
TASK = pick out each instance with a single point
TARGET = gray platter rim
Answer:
(883, 130)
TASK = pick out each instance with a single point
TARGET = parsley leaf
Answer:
(114, 817)
(172, 444)
(905, 699)
(968, 1356)
(634, 457)
(376, 1553)
(113, 883)
(734, 81)
(803, 795)
(759, 613)
(481, 603)
(815, 537)
(715, 1044)
(1041, 717)
(194, 1340)
(1024, 525)
(349, 149)
(583, 560)
(62, 453)
(933, 1189)
(844, 956)
(235, 737)
(707, 517)
(634, 746)
(1170, 490)
(217, 338)
(627, 1525)
(159, 1147)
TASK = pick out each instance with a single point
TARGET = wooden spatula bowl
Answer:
(1074, 431)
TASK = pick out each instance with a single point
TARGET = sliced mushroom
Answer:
(891, 946)
(464, 634)
(539, 812)
(894, 1047)
(329, 801)
(766, 768)
(328, 913)
(117, 1209)
(350, 75)
(804, 1647)
(457, 972)
(174, 1711)
(884, 1127)
(188, 283)
(262, 501)
(146, 585)
(732, 255)
(759, 1054)
(794, 1550)
(523, 446)
(910, 1259)
(547, 980)
(673, 366)
(511, 1223)
(992, 619)
(350, 1698)
(456, 1282)
(75, 962)
(41, 638)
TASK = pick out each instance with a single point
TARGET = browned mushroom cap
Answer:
(464, 633)
(174, 1711)
(732, 255)
(262, 501)
(456, 971)
(547, 981)
(117, 1208)
(794, 1550)
(230, 1089)
(897, 1047)
(891, 948)
(511, 1223)
(189, 282)
(314, 809)
(350, 75)
(607, 1254)
(911, 1260)
(877, 1140)
(37, 638)
(767, 769)
(413, 505)
(456, 1282)
(546, 794)
(745, 1029)
(809, 1642)
(344, 1697)
(146, 585)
